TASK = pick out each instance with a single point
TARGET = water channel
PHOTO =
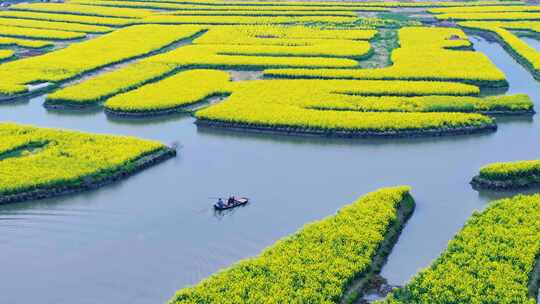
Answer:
(139, 240)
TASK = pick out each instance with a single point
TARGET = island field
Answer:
(387, 149)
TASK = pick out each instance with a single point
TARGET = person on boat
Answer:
(230, 201)
(220, 203)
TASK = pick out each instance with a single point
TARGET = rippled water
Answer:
(141, 239)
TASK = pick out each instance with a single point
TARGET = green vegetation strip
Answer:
(491, 260)
(316, 264)
(508, 175)
(38, 162)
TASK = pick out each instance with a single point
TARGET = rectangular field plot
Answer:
(316, 264)
(39, 162)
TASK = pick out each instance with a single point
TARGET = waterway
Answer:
(139, 240)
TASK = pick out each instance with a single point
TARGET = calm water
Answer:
(139, 240)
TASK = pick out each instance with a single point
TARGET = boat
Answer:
(237, 201)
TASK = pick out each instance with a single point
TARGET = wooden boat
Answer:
(238, 201)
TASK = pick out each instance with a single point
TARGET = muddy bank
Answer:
(297, 131)
(93, 182)
(480, 183)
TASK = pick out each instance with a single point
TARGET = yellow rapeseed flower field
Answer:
(420, 47)
(86, 56)
(314, 265)
(490, 260)
(54, 25)
(62, 158)
(32, 44)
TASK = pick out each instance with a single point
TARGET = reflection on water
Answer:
(139, 240)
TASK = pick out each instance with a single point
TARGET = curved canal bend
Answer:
(140, 240)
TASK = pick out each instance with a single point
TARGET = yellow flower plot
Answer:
(69, 18)
(25, 43)
(79, 58)
(491, 260)
(230, 47)
(40, 162)
(6, 54)
(486, 9)
(189, 87)
(183, 89)
(34, 33)
(175, 19)
(225, 7)
(491, 16)
(291, 106)
(523, 52)
(314, 265)
(425, 53)
(76, 9)
(315, 4)
(262, 13)
(53, 25)
(508, 175)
